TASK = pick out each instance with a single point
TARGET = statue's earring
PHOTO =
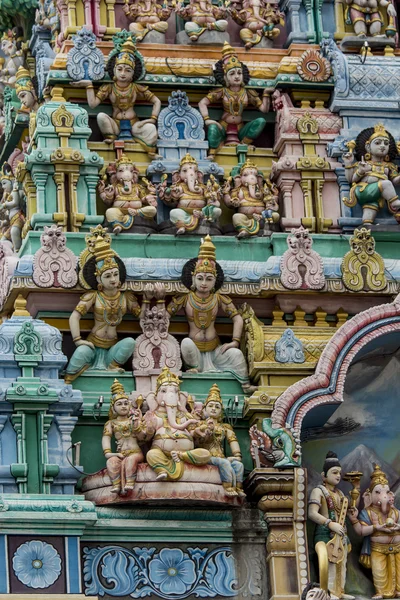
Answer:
(100, 287)
(387, 158)
(119, 285)
(115, 78)
(367, 156)
(213, 290)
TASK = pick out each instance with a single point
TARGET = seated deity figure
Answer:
(127, 197)
(104, 273)
(254, 199)
(11, 47)
(25, 90)
(146, 16)
(328, 509)
(194, 201)
(372, 173)
(201, 16)
(258, 19)
(169, 424)
(202, 351)
(125, 424)
(125, 66)
(212, 434)
(13, 201)
(366, 17)
(233, 76)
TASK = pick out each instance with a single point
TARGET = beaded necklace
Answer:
(203, 309)
(112, 313)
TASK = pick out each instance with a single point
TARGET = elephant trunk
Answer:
(192, 183)
(384, 505)
(171, 414)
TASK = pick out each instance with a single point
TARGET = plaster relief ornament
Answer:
(168, 420)
(202, 351)
(233, 76)
(54, 265)
(379, 524)
(47, 17)
(312, 66)
(11, 47)
(301, 266)
(258, 20)
(212, 435)
(289, 349)
(12, 200)
(328, 510)
(194, 201)
(372, 173)
(125, 425)
(255, 198)
(362, 267)
(25, 88)
(85, 60)
(104, 273)
(201, 16)
(126, 197)
(367, 17)
(146, 16)
(274, 446)
(125, 66)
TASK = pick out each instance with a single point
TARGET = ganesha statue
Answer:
(193, 200)
(255, 199)
(11, 47)
(169, 421)
(379, 524)
(259, 20)
(372, 173)
(126, 197)
(26, 91)
(202, 16)
(148, 16)
(12, 201)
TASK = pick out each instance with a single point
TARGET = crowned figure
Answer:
(202, 351)
(26, 91)
(103, 272)
(372, 173)
(13, 202)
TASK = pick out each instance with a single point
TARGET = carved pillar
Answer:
(281, 496)
(88, 15)
(111, 29)
(309, 219)
(297, 35)
(19, 470)
(344, 190)
(77, 218)
(60, 217)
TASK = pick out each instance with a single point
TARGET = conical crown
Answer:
(378, 477)
(214, 395)
(229, 58)
(248, 165)
(167, 377)
(23, 81)
(188, 159)
(206, 262)
(117, 392)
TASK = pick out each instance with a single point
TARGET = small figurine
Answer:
(379, 524)
(26, 91)
(125, 66)
(13, 200)
(127, 197)
(125, 425)
(367, 16)
(168, 420)
(47, 18)
(328, 509)
(202, 351)
(254, 198)
(104, 273)
(194, 200)
(258, 19)
(372, 173)
(146, 16)
(233, 76)
(201, 16)
(11, 46)
(211, 434)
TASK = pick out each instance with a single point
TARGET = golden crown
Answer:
(117, 392)
(248, 165)
(104, 256)
(23, 81)
(378, 477)
(127, 54)
(206, 262)
(214, 395)
(379, 131)
(229, 58)
(123, 160)
(167, 377)
(188, 159)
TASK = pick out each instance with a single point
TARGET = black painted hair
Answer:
(89, 271)
(187, 276)
(363, 138)
(137, 71)
(310, 586)
(331, 460)
(219, 73)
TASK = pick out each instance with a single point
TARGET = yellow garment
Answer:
(385, 565)
(162, 462)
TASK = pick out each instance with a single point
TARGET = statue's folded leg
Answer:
(191, 354)
(108, 127)
(246, 224)
(116, 218)
(215, 137)
(162, 463)
(114, 467)
(81, 360)
(146, 135)
(234, 362)
(199, 456)
(148, 212)
(252, 130)
(181, 218)
(130, 466)
(238, 468)
(120, 353)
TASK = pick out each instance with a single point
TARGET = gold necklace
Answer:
(236, 101)
(202, 310)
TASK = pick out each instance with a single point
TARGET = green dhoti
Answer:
(85, 358)
(246, 134)
(368, 195)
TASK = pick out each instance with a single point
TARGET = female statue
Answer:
(233, 76)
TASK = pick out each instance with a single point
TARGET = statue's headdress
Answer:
(378, 477)
(117, 392)
(379, 131)
(248, 165)
(167, 377)
(331, 461)
(126, 56)
(6, 172)
(125, 53)
(214, 395)
(188, 159)
(123, 160)
(104, 256)
(98, 257)
(229, 58)
(23, 81)
(206, 261)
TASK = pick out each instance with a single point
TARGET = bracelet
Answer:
(160, 301)
(107, 450)
(90, 87)
(154, 117)
(236, 339)
(326, 524)
(205, 117)
(76, 339)
(145, 301)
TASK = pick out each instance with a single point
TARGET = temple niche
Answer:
(199, 299)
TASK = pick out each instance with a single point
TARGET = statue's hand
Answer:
(363, 167)
(84, 343)
(352, 514)
(257, 217)
(391, 11)
(209, 122)
(82, 83)
(148, 291)
(111, 454)
(159, 291)
(348, 158)
(337, 528)
(226, 347)
(149, 121)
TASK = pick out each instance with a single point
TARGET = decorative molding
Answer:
(54, 265)
(36, 564)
